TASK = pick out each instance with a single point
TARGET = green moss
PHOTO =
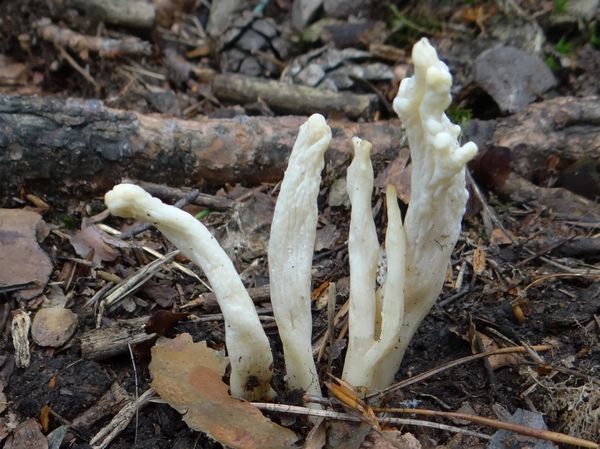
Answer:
(70, 222)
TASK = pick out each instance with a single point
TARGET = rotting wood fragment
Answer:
(103, 343)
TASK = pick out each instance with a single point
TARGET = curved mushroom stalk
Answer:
(247, 344)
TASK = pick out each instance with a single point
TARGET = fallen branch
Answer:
(104, 46)
(293, 98)
(55, 143)
(566, 128)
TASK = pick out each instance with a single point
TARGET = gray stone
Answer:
(343, 8)
(53, 326)
(583, 9)
(311, 75)
(250, 67)
(503, 439)
(303, 12)
(512, 77)
(266, 27)
(251, 41)
(221, 15)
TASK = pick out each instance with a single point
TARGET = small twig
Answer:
(135, 379)
(543, 251)
(120, 421)
(214, 202)
(305, 411)
(77, 67)
(133, 282)
(516, 428)
(487, 208)
(135, 230)
(454, 363)
(495, 220)
(16, 287)
(450, 299)
(557, 275)
(99, 294)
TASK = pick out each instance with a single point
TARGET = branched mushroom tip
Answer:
(418, 251)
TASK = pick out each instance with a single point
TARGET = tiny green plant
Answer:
(202, 214)
(552, 62)
(564, 46)
(459, 115)
(560, 6)
(70, 222)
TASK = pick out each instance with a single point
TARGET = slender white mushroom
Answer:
(438, 194)
(368, 344)
(363, 250)
(290, 253)
(247, 344)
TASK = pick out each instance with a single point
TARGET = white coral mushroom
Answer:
(291, 245)
(418, 253)
(247, 344)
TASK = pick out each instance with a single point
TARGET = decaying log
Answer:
(563, 203)
(565, 127)
(293, 98)
(494, 168)
(62, 143)
(106, 342)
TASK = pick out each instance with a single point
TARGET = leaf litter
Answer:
(188, 376)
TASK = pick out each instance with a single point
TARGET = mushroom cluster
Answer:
(381, 320)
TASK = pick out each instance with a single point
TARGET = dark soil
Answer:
(561, 309)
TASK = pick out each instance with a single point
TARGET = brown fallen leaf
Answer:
(90, 242)
(187, 376)
(397, 173)
(20, 231)
(478, 260)
(392, 439)
(27, 435)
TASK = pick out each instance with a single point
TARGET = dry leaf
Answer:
(499, 237)
(317, 437)
(397, 173)
(90, 240)
(478, 259)
(27, 435)
(19, 232)
(187, 376)
(498, 360)
(392, 439)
